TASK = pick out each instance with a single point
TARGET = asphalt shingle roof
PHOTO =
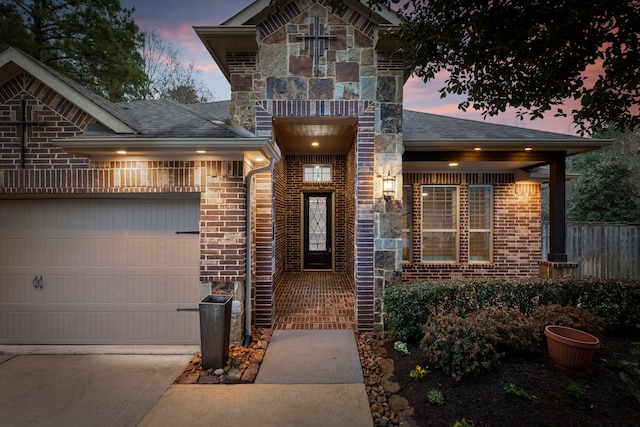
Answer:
(436, 127)
(164, 118)
(168, 119)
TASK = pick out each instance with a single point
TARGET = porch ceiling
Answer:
(480, 155)
(333, 135)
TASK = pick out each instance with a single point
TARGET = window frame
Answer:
(489, 230)
(455, 209)
(407, 213)
(323, 168)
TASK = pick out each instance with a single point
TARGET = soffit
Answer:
(334, 135)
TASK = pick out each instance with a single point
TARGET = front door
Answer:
(317, 231)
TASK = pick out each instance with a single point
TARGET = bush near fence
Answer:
(409, 306)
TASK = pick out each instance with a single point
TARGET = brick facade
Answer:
(517, 233)
(49, 171)
(351, 79)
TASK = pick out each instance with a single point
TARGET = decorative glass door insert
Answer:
(317, 231)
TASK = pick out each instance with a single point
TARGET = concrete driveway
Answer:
(83, 389)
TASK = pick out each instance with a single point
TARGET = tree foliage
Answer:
(94, 42)
(167, 76)
(608, 189)
(605, 193)
(529, 54)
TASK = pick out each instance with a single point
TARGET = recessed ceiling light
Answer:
(200, 151)
(121, 152)
(528, 148)
(315, 143)
(477, 149)
(259, 159)
(453, 164)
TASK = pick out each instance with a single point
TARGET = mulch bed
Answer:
(611, 383)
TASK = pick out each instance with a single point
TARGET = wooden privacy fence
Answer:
(602, 250)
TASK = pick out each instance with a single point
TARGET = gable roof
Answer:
(170, 130)
(259, 10)
(14, 62)
(240, 33)
(160, 129)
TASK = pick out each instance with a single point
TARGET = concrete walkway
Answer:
(308, 378)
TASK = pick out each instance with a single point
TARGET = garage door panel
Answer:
(180, 290)
(113, 271)
(60, 252)
(60, 289)
(16, 289)
(16, 326)
(142, 252)
(145, 326)
(180, 251)
(98, 252)
(15, 252)
(64, 325)
(183, 324)
(99, 326)
(98, 290)
(144, 289)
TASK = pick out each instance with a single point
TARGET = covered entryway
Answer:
(99, 270)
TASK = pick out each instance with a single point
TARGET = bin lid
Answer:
(216, 299)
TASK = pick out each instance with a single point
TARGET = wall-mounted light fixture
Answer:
(389, 186)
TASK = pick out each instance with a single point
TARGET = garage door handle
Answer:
(187, 232)
(187, 309)
(37, 282)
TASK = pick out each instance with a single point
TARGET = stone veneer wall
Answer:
(352, 79)
(516, 248)
(50, 171)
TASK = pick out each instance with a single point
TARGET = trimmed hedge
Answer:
(408, 306)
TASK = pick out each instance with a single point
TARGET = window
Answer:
(407, 212)
(440, 223)
(317, 173)
(480, 222)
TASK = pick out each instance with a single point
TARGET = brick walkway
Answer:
(315, 300)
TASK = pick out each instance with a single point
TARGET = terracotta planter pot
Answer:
(570, 348)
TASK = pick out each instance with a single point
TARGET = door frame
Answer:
(304, 228)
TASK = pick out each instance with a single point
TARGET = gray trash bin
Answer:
(215, 324)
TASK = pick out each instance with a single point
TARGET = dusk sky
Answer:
(174, 20)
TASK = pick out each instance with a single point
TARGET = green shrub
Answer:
(458, 347)
(509, 329)
(573, 317)
(409, 306)
(474, 344)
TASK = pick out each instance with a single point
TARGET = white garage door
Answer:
(99, 271)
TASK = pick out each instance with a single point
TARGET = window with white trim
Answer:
(480, 222)
(440, 204)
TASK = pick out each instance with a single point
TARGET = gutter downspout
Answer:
(249, 259)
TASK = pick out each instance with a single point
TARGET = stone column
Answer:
(387, 208)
